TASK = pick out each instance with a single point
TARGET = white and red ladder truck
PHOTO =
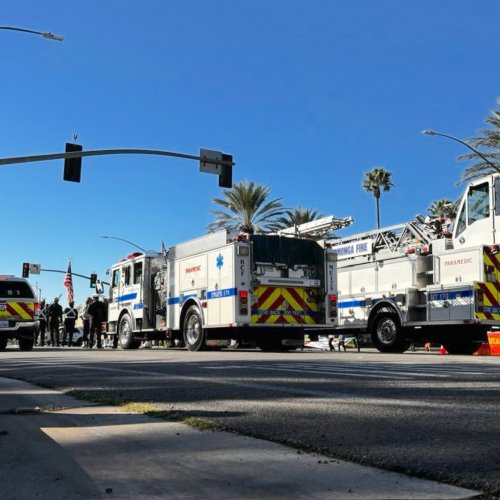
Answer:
(422, 281)
(263, 289)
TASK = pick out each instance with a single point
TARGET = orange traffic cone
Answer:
(442, 350)
(484, 350)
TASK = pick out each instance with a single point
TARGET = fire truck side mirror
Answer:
(99, 287)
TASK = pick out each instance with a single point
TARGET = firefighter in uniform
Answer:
(55, 313)
(42, 323)
(97, 313)
(70, 316)
(86, 321)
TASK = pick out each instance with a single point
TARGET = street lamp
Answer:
(126, 241)
(432, 132)
(43, 34)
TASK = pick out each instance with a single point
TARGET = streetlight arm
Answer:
(126, 241)
(44, 34)
(491, 164)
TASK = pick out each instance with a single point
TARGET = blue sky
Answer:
(307, 97)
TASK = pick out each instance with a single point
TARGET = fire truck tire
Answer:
(26, 344)
(192, 329)
(3, 343)
(125, 333)
(386, 333)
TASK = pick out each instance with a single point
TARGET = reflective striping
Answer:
(489, 309)
(285, 305)
(17, 310)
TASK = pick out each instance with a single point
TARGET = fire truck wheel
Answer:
(3, 343)
(26, 344)
(386, 333)
(192, 329)
(125, 334)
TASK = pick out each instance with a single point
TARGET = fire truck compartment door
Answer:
(451, 303)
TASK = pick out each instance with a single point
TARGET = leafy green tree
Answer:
(247, 208)
(376, 181)
(488, 144)
(442, 208)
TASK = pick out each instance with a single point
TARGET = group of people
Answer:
(53, 316)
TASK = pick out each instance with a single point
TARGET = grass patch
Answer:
(150, 409)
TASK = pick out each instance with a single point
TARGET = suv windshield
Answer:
(15, 289)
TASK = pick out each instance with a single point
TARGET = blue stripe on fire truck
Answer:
(220, 294)
(456, 294)
(124, 298)
(215, 294)
(351, 304)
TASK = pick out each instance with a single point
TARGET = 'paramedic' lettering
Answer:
(193, 269)
(458, 262)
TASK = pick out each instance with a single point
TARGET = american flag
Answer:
(68, 283)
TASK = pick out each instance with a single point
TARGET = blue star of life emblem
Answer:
(220, 261)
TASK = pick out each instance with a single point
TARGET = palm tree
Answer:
(442, 208)
(246, 207)
(375, 181)
(298, 216)
(488, 139)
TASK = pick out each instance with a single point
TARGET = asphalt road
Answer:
(423, 414)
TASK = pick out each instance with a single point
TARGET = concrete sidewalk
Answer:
(86, 451)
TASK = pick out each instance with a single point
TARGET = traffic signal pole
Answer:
(225, 161)
(72, 273)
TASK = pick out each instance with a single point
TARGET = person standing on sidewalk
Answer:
(342, 342)
(55, 313)
(97, 313)
(86, 322)
(70, 317)
(42, 324)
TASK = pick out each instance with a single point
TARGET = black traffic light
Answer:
(226, 173)
(93, 280)
(26, 269)
(72, 166)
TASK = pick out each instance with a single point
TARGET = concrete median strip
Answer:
(73, 449)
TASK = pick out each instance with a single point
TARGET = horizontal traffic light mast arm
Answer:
(104, 152)
(72, 273)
